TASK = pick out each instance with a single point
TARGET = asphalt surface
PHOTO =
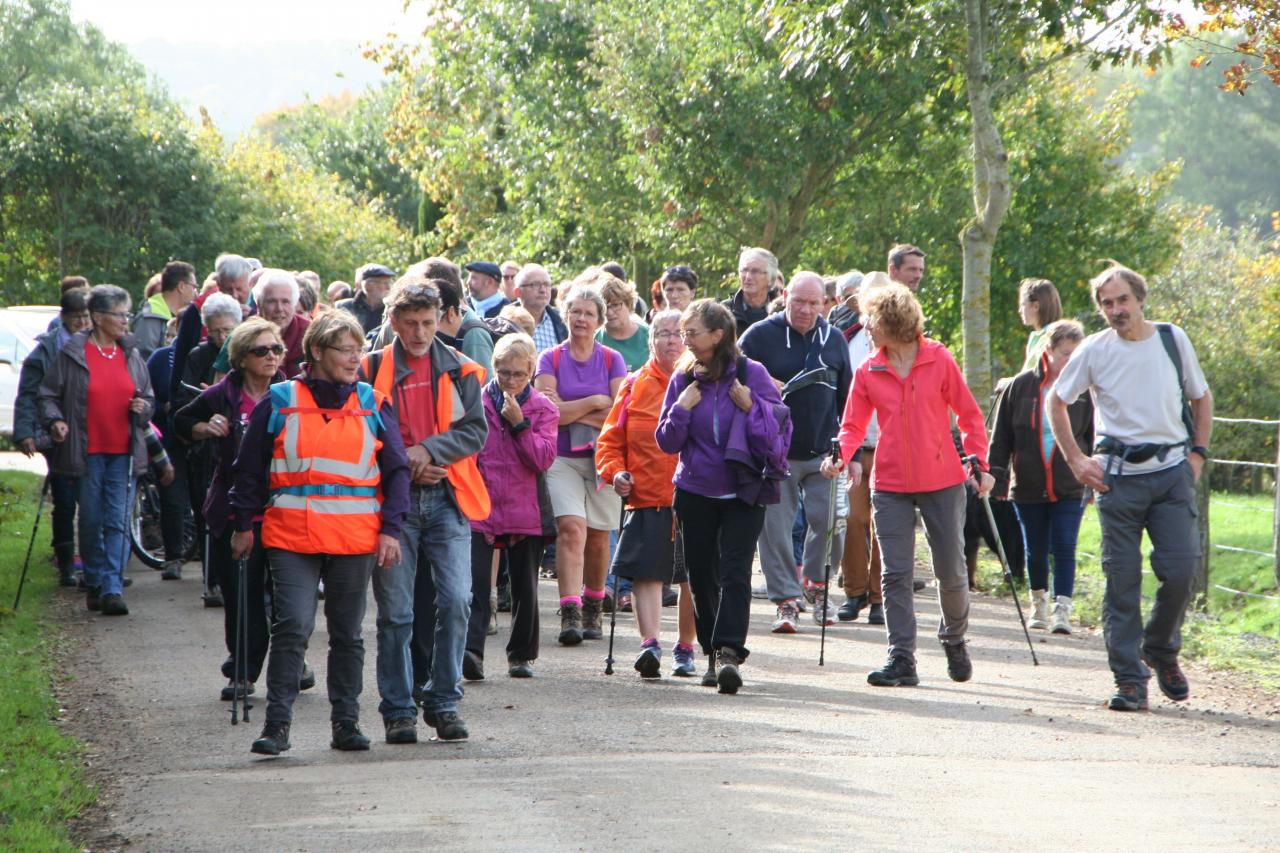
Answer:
(804, 758)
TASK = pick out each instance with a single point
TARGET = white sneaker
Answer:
(1062, 616)
(788, 618)
(760, 590)
(819, 610)
(1039, 609)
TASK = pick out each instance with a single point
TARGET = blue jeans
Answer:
(1051, 528)
(437, 535)
(105, 497)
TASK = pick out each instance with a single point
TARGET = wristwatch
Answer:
(1202, 450)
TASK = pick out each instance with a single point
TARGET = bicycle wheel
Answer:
(144, 523)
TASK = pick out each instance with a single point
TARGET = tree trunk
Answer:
(991, 197)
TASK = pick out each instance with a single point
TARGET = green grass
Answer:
(1225, 631)
(42, 784)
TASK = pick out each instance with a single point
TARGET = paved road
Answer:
(803, 759)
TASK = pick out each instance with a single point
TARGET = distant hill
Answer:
(236, 83)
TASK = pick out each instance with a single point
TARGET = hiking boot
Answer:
(504, 598)
(1173, 683)
(824, 612)
(1039, 609)
(308, 679)
(447, 724)
(472, 666)
(570, 625)
(852, 606)
(788, 618)
(213, 598)
(649, 664)
(65, 556)
(113, 605)
(685, 666)
(875, 616)
(1061, 623)
(898, 671)
(520, 668)
(273, 740)
(959, 667)
(728, 679)
(237, 690)
(670, 596)
(1128, 697)
(172, 570)
(348, 737)
(709, 677)
(402, 730)
(92, 600)
(592, 619)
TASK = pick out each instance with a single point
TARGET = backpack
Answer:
(560, 348)
(1171, 348)
(497, 327)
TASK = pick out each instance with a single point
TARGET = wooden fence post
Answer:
(1200, 593)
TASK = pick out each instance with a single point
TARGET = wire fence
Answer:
(1273, 510)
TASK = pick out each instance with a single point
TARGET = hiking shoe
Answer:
(1173, 683)
(308, 679)
(685, 666)
(917, 584)
(1039, 609)
(402, 730)
(898, 671)
(760, 590)
(670, 596)
(213, 598)
(172, 570)
(113, 605)
(1128, 697)
(709, 677)
(237, 690)
(592, 619)
(875, 616)
(66, 575)
(824, 612)
(273, 740)
(447, 724)
(570, 625)
(788, 618)
(1061, 623)
(728, 679)
(624, 603)
(92, 600)
(348, 737)
(959, 667)
(852, 606)
(812, 591)
(520, 668)
(649, 664)
(472, 666)
(126, 581)
(504, 598)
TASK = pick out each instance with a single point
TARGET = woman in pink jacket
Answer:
(523, 426)
(912, 384)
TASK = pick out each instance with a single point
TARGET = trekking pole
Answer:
(972, 461)
(613, 614)
(240, 669)
(22, 581)
(826, 569)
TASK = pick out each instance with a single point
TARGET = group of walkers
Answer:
(436, 439)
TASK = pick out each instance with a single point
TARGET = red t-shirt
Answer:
(110, 390)
(417, 402)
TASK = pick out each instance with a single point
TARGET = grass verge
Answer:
(1228, 630)
(42, 783)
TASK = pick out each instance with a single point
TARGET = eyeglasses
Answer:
(347, 352)
(689, 334)
(667, 336)
(123, 316)
(752, 271)
(513, 375)
(536, 285)
(263, 351)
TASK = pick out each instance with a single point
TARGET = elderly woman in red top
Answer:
(628, 456)
(912, 384)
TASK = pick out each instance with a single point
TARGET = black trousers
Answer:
(226, 570)
(175, 501)
(719, 538)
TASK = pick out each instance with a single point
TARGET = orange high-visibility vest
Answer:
(325, 484)
(464, 475)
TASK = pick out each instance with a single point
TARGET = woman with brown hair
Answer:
(1038, 306)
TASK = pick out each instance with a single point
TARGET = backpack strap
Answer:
(1171, 348)
(741, 369)
(564, 345)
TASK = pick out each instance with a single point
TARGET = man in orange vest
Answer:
(436, 395)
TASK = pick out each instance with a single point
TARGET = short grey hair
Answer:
(105, 298)
(528, 270)
(577, 292)
(271, 277)
(229, 268)
(848, 283)
(770, 259)
(660, 317)
(219, 304)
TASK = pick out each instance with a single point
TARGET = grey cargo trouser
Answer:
(777, 559)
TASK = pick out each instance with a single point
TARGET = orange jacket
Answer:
(324, 478)
(626, 442)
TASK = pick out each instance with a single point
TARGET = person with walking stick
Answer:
(913, 384)
(628, 457)
(1154, 415)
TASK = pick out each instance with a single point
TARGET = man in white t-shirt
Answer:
(1144, 470)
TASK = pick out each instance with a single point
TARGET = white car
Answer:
(18, 329)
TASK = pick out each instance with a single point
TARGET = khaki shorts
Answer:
(572, 484)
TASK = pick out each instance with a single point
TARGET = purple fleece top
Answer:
(577, 379)
(700, 436)
(249, 490)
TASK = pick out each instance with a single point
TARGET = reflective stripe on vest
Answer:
(464, 475)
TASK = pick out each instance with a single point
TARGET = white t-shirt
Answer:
(1135, 391)
(860, 349)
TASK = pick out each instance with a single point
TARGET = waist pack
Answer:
(1135, 453)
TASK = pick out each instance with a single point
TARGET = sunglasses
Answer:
(262, 351)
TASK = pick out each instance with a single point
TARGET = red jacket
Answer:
(916, 452)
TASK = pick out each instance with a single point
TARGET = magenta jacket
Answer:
(511, 461)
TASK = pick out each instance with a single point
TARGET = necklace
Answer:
(114, 350)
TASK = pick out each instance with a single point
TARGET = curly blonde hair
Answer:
(893, 312)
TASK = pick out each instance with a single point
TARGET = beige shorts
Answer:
(572, 484)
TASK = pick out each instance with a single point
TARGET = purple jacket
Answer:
(701, 437)
(510, 463)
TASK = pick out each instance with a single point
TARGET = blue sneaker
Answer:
(649, 664)
(684, 667)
